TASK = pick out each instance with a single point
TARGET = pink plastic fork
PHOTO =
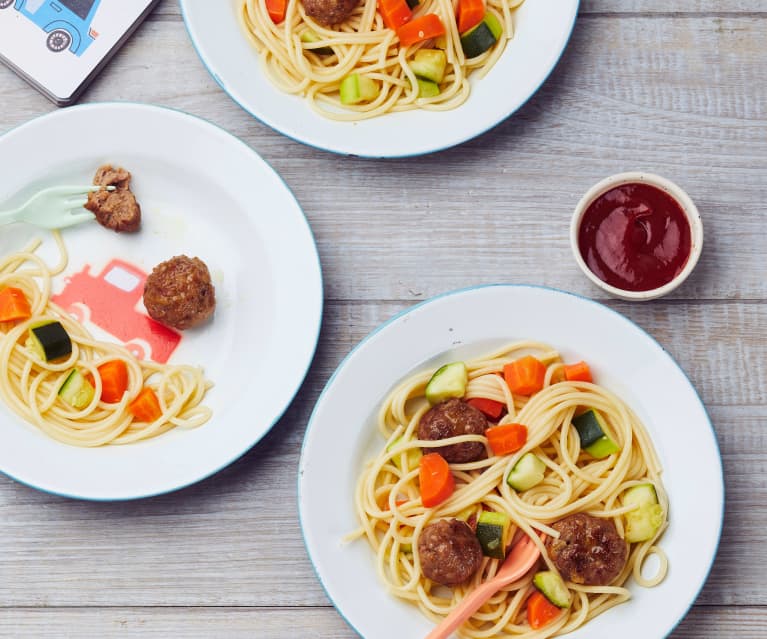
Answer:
(521, 558)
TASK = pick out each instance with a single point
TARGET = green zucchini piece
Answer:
(552, 587)
(493, 533)
(412, 457)
(356, 88)
(644, 522)
(49, 341)
(309, 37)
(429, 64)
(526, 473)
(481, 37)
(427, 88)
(76, 390)
(450, 380)
(594, 434)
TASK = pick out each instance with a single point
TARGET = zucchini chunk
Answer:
(76, 390)
(49, 341)
(429, 64)
(552, 587)
(526, 473)
(356, 88)
(427, 88)
(412, 456)
(644, 522)
(593, 432)
(481, 37)
(310, 37)
(450, 380)
(493, 533)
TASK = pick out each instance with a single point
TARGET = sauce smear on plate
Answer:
(635, 237)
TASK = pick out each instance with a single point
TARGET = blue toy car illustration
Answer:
(67, 22)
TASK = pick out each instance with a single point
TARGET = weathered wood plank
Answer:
(703, 622)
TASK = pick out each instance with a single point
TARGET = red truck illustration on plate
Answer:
(109, 301)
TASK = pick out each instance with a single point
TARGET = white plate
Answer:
(623, 357)
(203, 192)
(543, 28)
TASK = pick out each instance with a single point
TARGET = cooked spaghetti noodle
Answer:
(30, 386)
(362, 44)
(392, 516)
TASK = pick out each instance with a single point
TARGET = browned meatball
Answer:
(117, 210)
(589, 549)
(179, 292)
(451, 418)
(329, 12)
(449, 551)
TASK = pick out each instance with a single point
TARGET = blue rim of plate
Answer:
(481, 131)
(460, 291)
(315, 340)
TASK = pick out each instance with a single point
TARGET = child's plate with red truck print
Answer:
(203, 193)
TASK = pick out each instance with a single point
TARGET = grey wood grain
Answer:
(677, 88)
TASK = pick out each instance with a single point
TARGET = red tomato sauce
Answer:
(635, 237)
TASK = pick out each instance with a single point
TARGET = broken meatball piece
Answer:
(118, 209)
(179, 292)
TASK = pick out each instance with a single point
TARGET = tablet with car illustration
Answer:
(60, 45)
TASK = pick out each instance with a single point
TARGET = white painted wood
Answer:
(678, 88)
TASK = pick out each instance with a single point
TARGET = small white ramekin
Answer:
(634, 177)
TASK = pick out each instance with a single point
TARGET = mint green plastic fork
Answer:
(54, 208)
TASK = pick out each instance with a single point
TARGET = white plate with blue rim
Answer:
(542, 30)
(203, 193)
(342, 435)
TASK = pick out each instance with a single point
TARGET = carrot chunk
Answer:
(276, 10)
(395, 13)
(470, 14)
(505, 439)
(14, 305)
(578, 372)
(424, 28)
(540, 611)
(146, 406)
(114, 380)
(525, 375)
(436, 480)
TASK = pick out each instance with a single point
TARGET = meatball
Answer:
(451, 418)
(589, 550)
(329, 12)
(179, 292)
(117, 210)
(449, 551)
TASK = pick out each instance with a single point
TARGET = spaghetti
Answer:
(30, 386)
(392, 515)
(303, 57)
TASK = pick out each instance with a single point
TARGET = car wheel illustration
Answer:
(139, 349)
(80, 312)
(4, 4)
(58, 40)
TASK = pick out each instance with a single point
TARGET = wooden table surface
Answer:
(678, 88)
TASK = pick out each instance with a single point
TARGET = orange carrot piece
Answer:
(505, 439)
(146, 406)
(578, 372)
(114, 380)
(277, 10)
(525, 375)
(424, 28)
(489, 407)
(395, 13)
(436, 480)
(470, 14)
(540, 611)
(14, 305)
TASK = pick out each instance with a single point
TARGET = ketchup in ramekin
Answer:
(635, 237)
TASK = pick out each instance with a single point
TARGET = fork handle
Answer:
(465, 609)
